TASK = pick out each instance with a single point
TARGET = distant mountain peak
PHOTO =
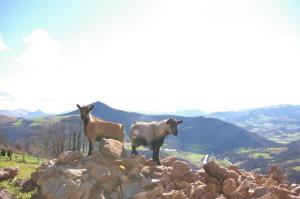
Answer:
(98, 103)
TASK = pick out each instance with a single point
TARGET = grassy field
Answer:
(25, 169)
(297, 168)
(42, 120)
(262, 155)
(195, 158)
(246, 150)
(284, 138)
(266, 153)
(19, 122)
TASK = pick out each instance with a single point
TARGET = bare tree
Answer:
(58, 137)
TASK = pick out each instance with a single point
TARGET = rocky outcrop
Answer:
(8, 173)
(107, 174)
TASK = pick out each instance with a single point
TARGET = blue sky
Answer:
(149, 55)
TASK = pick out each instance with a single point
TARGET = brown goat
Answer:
(96, 129)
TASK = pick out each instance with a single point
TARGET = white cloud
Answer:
(4, 96)
(83, 42)
(41, 50)
(3, 46)
(211, 55)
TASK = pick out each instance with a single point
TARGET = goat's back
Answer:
(146, 130)
(101, 128)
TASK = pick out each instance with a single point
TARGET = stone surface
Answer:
(229, 187)
(108, 175)
(168, 161)
(277, 174)
(67, 157)
(213, 169)
(112, 148)
(4, 194)
(8, 173)
(179, 169)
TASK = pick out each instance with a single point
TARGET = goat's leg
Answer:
(90, 147)
(93, 142)
(156, 155)
(133, 150)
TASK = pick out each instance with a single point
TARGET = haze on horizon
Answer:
(156, 56)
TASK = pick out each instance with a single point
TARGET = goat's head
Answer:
(172, 126)
(85, 111)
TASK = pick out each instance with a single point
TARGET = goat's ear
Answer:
(78, 106)
(179, 122)
(169, 121)
(92, 106)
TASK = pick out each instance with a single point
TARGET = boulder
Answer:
(229, 187)
(202, 192)
(101, 173)
(28, 185)
(73, 173)
(4, 194)
(168, 161)
(192, 177)
(260, 191)
(146, 171)
(167, 178)
(132, 165)
(179, 169)
(213, 169)
(8, 173)
(234, 168)
(277, 174)
(242, 190)
(4, 175)
(112, 148)
(156, 193)
(234, 175)
(175, 194)
(67, 157)
(296, 188)
(284, 193)
(270, 195)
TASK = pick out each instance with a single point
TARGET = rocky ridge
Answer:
(108, 173)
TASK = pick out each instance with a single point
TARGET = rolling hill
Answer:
(6, 119)
(280, 123)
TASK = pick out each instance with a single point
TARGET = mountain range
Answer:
(184, 113)
(279, 123)
(24, 113)
(196, 133)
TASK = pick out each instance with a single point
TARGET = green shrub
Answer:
(9, 154)
(3, 152)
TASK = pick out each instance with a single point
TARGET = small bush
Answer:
(3, 152)
(9, 154)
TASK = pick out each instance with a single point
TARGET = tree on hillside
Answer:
(20, 150)
(3, 139)
(59, 137)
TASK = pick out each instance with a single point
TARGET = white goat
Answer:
(152, 134)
